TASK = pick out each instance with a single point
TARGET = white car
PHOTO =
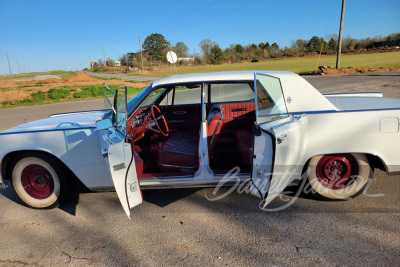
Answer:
(191, 130)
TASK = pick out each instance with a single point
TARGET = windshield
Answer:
(120, 99)
(137, 98)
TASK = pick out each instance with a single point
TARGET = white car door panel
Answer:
(279, 141)
(118, 153)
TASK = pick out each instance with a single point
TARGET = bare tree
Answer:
(124, 60)
(110, 62)
(206, 45)
(100, 62)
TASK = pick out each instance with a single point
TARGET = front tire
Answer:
(39, 180)
(339, 176)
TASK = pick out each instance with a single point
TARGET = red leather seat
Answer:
(244, 139)
(180, 152)
(214, 125)
(178, 155)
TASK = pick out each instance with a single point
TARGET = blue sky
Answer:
(50, 35)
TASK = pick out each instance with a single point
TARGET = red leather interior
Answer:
(244, 139)
(235, 110)
(181, 151)
(238, 115)
(214, 126)
(178, 153)
(182, 116)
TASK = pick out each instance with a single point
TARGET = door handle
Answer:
(104, 152)
(238, 109)
(179, 112)
(281, 138)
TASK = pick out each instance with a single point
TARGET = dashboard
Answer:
(140, 118)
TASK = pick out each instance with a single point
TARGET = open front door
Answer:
(118, 153)
(279, 141)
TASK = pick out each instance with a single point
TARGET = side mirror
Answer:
(103, 124)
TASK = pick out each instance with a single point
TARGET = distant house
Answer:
(117, 63)
(186, 58)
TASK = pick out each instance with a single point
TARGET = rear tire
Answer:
(339, 176)
(39, 180)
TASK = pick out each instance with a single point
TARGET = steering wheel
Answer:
(156, 115)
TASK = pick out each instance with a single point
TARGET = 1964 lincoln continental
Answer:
(190, 130)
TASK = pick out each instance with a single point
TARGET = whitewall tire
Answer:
(339, 176)
(39, 180)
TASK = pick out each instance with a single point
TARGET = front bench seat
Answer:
(181, 154)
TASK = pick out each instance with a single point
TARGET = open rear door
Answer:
(279, 141)
(118, 153)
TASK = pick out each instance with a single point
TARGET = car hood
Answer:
(59, 122)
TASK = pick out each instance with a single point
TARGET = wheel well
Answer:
(10, 157)
(374, 161)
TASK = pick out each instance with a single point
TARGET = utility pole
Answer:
(19, 71)
(102, 42)
(9, 64)
(141, 53)
(339, 52)
(24, 69)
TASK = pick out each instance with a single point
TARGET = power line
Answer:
(189, 17)
(180, 20)
(212, 15)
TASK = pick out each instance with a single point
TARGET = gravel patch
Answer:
(44, 77)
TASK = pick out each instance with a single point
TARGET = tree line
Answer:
(155, 47)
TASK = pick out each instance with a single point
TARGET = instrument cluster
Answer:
(138, 119)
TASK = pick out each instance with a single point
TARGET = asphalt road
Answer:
(182, 227)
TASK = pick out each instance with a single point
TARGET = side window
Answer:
(231, 92)
(187, 94)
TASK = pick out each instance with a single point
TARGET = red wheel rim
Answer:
(337, 171)
(37, 181)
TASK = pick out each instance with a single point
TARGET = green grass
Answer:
(67, 94)
(35, 85)
(297, 65)
(55, 94)
(39, 96)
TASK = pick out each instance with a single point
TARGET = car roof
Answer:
(219, 76)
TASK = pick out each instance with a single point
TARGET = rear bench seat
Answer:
(244, 139)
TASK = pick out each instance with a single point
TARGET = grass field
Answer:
(298, 65)
(66, 94)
